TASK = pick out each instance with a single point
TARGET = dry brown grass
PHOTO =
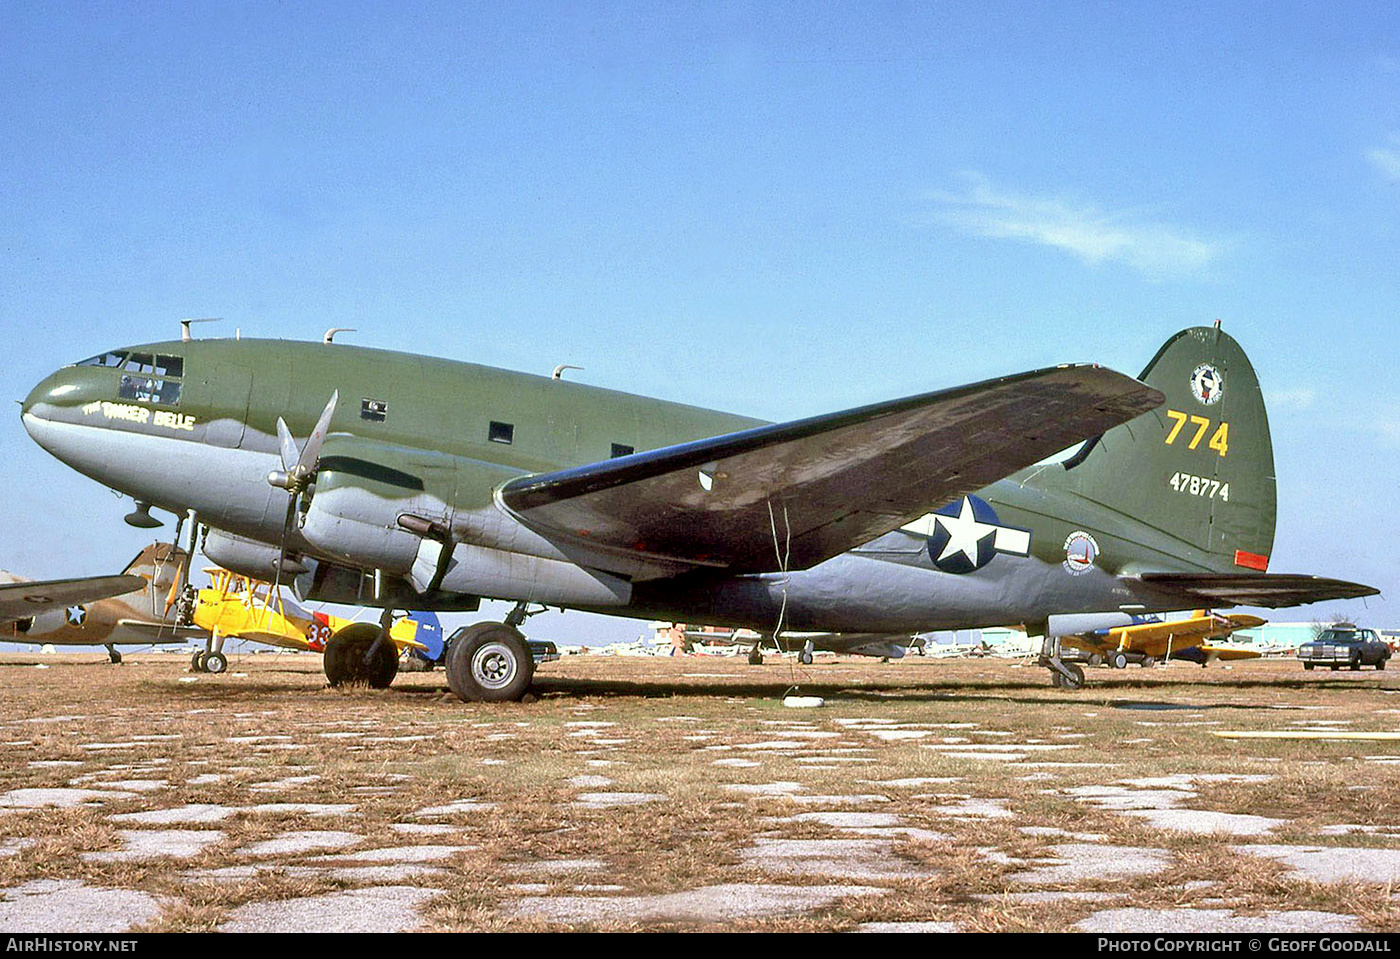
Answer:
(390, 753)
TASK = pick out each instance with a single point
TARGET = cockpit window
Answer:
(110, 360)
(152, 378)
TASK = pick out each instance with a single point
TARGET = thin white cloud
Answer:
(1296, 399)
(1387, 159)
(1088, 233)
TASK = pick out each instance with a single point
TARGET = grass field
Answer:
(682, 794)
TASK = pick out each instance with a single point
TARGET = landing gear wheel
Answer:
(1073, 681)
(805, 658)
(1117, 660)
(355, 657)
(1095, 659)
(489, 663)
(116, 657)
(197, 662)
(215, 662)
(1307, 665)
(755, 658)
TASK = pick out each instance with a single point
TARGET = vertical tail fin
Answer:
(160, 565)
(1200, 468)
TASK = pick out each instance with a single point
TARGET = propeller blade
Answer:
(287, 444)
(299, 465)
(311, 453)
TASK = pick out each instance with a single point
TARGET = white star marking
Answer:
(964, 532)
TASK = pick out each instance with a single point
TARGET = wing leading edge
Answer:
(790, 495)
(23, 599)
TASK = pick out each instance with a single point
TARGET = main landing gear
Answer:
(486, 662)
(1063, 675)
(362, 654)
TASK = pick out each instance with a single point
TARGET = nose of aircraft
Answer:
(56, 388)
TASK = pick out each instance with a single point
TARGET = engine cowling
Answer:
(364, 488)
(246, 556)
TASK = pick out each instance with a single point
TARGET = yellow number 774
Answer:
(1219, 441)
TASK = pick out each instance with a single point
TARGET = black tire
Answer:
(355, 657)
(1117, 660)
(1356, 662)
(489, 663)
(1073, 681)
(805, 658)
(215, 662)
(1307, 665)
(1380, 663)
(755, 658)
(197, 662)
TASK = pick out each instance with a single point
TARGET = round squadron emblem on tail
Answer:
(1207, 385)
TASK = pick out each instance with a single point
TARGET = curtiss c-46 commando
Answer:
(406, 482)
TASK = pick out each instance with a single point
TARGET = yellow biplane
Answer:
(1147, 642)
(239, 607)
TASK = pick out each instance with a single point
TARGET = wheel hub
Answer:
(493, 666)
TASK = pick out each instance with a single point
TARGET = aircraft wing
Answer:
(22, 600)
(1270, 590)
(1227, 654)
(1170, 636)
(129, 632)
(791, 495)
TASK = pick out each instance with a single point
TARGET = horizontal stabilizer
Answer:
(1270, 590)
(794, 494)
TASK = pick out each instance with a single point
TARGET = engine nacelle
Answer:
(245, 556)
(364, 488)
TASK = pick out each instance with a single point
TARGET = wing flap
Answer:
(791, 495)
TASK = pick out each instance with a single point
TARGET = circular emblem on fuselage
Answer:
(76, 615)
(1207, 385)
(1081, 550)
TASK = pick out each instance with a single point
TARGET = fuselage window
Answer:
(501, 432)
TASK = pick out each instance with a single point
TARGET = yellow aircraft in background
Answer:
(1154, 639)
(239, 607)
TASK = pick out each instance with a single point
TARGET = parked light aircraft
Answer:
(134, 608)
(1153, 639)
(424, 483)
(239, 607)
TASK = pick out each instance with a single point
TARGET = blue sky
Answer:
(778, 209)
